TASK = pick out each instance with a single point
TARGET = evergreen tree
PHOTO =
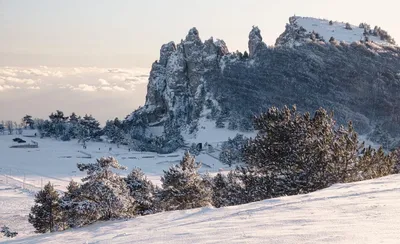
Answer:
(46, 215)
(219, 193)
(89, 128)
(57, 125)
(373, 164)
(301, 153)
(114, 131)
(104, 195)
(69, 204)
(74, 119)
(28, 121)
(245, 55)
(232, 150)
(294, 153)
(227, 190)
(183, 187)
(142, 190)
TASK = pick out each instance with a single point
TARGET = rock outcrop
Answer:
(360, 81)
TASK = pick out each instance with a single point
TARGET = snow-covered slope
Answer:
(55, 161)
(300, 30)
(14, 209)
(363, 212)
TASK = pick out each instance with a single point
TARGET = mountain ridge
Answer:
(195, 79)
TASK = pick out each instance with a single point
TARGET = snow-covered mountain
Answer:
(362, 212)
(353, 70)
(303, 29)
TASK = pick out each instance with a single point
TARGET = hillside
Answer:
(363, 212)
(356, 73)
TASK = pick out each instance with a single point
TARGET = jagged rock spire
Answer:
(255, 39)
(166, 51)
(193, 35)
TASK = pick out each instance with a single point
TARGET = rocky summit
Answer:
(351, 70)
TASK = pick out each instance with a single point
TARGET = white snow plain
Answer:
(356, 213)
(363, 212)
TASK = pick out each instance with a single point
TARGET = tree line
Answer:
(293, 153)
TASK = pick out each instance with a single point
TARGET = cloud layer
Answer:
(84, 79)
(105, 93)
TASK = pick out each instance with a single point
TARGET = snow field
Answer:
(355, 213)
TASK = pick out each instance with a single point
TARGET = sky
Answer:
(128, 34)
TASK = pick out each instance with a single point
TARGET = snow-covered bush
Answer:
(7, 232)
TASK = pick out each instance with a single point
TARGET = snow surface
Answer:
(55, 161)
(14, 209)
(336, 30)
(207, 132)
(363, 212)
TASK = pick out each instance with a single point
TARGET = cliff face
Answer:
(360, 81)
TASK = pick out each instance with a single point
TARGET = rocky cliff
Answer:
(352, 70)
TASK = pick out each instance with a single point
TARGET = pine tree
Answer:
(73, 118)
(89, 128)
(232, 150)
(46, 215)
(183, 187)
(28, 121)
(57, 127)
(104, 195)
(219, 193)
(69, 205)
(228, 190)
(142, 191)
(373, 164)
(245, 55)
(301, 153)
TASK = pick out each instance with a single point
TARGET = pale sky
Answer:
(127, 33)
(56, 54)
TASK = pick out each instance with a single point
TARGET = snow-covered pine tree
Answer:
(374, 163)
(219, 191)
(28, 121)
(104, 194)
(142, 190)
(46, 214)
(254, 186)
(227, 190)
(232, 150)
(58, 124)
(114, 131)
(183, 187)
(7, 232)
(73, 118)
(89, 127)
(297, 152)
(69, 205)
